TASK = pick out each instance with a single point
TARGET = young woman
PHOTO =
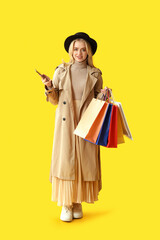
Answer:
(75, 171)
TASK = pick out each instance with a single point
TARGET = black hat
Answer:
(84, 36)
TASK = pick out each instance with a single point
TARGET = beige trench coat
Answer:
(63, 153)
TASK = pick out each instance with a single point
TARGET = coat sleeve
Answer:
(98, 85)
(52, 94)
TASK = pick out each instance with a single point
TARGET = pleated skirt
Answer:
(65, 192)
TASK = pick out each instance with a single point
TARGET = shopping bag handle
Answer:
(107, 93)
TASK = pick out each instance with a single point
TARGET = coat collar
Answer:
(89, 68)
(66, 73)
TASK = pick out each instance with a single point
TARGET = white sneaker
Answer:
(77, 210)
(66, 214)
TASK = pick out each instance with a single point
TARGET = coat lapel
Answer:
(90, 82)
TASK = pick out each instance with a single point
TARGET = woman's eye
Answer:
(82, 49)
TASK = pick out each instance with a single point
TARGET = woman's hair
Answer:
(89, 52)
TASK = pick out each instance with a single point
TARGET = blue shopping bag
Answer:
(102, 138)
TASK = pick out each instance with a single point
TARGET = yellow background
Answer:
(32, 36)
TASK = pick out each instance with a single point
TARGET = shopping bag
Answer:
(123, 120)
(97, 124)
(112, 136)
(89, 117)
(104, 131)
(120, 137)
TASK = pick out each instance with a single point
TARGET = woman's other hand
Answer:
(104, 91)
(46, 80)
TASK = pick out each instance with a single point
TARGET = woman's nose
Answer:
(79, 53)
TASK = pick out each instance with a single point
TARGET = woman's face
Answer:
(79, 51)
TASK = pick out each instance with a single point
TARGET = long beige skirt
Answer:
(65, 192)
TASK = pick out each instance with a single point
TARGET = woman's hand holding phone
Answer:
(46, 80)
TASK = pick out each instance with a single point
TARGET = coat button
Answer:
(64, 102)
(64, 119)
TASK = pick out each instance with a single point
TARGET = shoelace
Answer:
(67, 208)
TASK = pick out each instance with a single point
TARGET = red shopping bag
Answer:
(112, 137)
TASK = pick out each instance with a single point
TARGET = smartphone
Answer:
(43, 75)
(38, 73)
